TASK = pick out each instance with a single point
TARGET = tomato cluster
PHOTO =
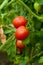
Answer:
(21, 32)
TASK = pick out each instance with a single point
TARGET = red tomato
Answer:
(21, 33)
(20, 44)
(19, 21)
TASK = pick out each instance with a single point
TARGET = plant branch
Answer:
(29, 10)
(10, 2)
(37, 55)
(3, 4)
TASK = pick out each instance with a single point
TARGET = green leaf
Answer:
(23, 62)
(3, 4)
(8, 43)
(40, 2)
(12, 51)
(41, 60)
(39, 34)
(10, 48)
(27, 40)
(9, 30)
(34, 42)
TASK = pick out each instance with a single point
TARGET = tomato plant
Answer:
(19, 21)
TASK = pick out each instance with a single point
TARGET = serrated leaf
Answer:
(9, 30)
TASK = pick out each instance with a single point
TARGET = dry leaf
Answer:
(11, 25)
(1, 31)
(3, 38)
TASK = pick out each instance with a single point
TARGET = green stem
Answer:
(10, 2)
(37, 55)
(3, 4)
(11, 11)
(29, 10)
(31, 52)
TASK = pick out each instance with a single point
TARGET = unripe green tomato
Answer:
(37, 6)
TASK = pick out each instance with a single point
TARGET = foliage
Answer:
(33, 52)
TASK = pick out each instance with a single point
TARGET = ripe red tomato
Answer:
(20, 44)
(21, 33)
(19, 21)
